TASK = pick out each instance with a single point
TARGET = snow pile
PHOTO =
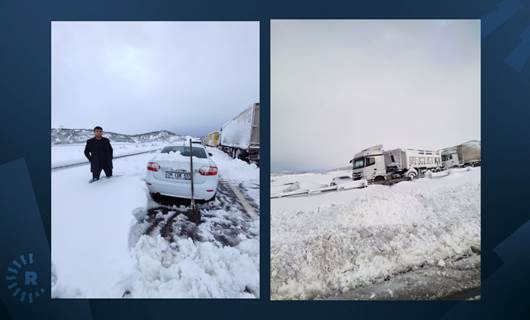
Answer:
(191, 269)
(218, 258)
(329, 244)
(234, 169)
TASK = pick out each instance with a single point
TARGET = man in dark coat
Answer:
(99, 152)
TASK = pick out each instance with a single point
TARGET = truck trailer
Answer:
(462, 155)
(211, 139)
(239, 137)
(376, 164)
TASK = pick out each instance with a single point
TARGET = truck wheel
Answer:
(379, 179)
(411, 175)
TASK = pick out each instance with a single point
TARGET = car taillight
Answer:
(208, 171)
(152, 166)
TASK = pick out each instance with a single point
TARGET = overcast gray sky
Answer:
(134, 77)
(339, 86)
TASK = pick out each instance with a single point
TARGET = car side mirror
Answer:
(210, 154)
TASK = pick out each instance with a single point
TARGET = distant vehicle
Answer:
(375, 164)
(463, 155)
(340, 180)
(239, 137)
(168, 173)
(212, 139)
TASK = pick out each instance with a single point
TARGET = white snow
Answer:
(65, 154)
(194, 269)
(93, 255)
(90, 224)
(328, 244)
(237, 171)
(234, 169)
(236, 132)
(303, 182)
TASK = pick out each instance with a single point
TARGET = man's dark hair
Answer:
(98, 128)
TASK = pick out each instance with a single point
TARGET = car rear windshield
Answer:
(185, 151)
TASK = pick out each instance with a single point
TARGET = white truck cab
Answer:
(369, 164)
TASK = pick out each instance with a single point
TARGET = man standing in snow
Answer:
(99, 152)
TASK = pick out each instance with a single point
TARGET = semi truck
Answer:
(376, 164)
(462, 155)
(239, 137)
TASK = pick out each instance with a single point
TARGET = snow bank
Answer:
(234, 169)
(353, 185)
(303, 182)
(188, 269)
(332, 243)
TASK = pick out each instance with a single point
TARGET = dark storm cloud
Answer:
(133, 77)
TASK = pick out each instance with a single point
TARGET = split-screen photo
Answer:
(375, 160)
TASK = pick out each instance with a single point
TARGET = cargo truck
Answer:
(239, 137)
(376, 164)
(463, 155)
(211, 139)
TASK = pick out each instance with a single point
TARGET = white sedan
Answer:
(168, 173)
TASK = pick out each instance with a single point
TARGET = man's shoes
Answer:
(94, 180)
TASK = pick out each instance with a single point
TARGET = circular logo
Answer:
(23, 280)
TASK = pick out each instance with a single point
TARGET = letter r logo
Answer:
(30, 278)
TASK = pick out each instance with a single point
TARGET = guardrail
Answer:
(306, 192)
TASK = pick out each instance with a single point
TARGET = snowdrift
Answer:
(330, 244)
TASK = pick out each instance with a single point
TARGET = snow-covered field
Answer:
(110, 240)
(332, 244)
(64, 154)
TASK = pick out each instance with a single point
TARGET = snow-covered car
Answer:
(168, 173)
(339, 180)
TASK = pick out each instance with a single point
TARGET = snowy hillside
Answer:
(335, 244)
(67, 136)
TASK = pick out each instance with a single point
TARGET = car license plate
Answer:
(178, 175)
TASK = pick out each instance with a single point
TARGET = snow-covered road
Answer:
(329, 245)
(110, 240)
